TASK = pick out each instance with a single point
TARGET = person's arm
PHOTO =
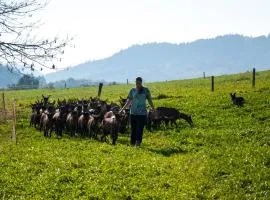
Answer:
(149, 98)
(127, 104)
(151, 104)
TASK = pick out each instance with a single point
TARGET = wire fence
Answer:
(8, 114)
(3, 112)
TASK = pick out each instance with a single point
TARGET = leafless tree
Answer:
(18, 45)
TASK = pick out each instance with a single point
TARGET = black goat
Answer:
(166, 115)
(239, 101)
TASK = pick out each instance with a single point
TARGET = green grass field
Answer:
(226, 155)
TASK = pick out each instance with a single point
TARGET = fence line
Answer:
(100, 89)
(14, 135)
(3, 110)
(253, 77)
(8, 111)
(21, 87)
(8, 115)
(253, 80)
(212, 83)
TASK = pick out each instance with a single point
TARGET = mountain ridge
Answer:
(168, 61)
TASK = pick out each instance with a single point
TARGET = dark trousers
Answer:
(137, 124)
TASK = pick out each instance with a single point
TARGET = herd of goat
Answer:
(88, 118)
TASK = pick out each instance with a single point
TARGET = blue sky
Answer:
(103, 27)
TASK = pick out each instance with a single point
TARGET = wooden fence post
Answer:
(4, 107)
(100, 89)
(203, 74)
(213, 83)
(253, 77)
(127, 81)
(14, 136)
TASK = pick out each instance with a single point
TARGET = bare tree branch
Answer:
(17, 46)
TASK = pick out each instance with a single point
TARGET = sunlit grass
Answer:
(226, 155)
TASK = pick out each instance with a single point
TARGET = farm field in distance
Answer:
(226, 155)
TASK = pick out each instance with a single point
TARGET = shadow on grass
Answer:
(122, 139)
(168, 151)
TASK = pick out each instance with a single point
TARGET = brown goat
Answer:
(90, 126)
(72, 123)
(83, 124)
(59, 119)
(110, 126)
(46, 122)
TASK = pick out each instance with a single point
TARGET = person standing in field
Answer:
(138, 113)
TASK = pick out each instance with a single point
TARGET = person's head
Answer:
(139, 83)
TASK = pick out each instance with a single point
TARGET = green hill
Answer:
(226, 155)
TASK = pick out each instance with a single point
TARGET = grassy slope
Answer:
(225, 156)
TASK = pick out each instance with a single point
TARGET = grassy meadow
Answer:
(226, 155)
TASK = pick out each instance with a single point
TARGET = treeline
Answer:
(71, 83)
(28, 81)
(32, 82)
